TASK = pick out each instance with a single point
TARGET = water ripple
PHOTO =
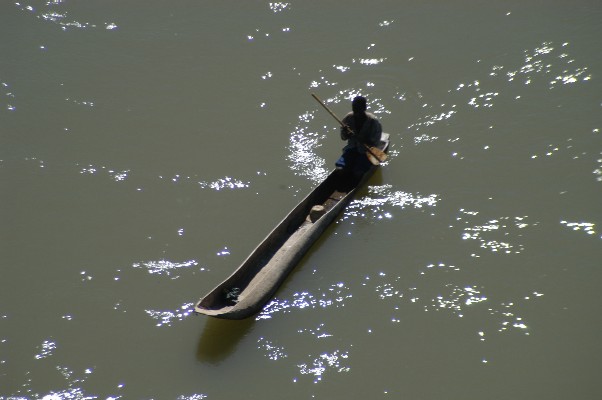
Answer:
(598, 171)
(585, 227)
(433, 295)
(9, 96)
(279, 6)
(456, 298)
(335, 296)
(303, 144)
(46, 349)
(431, 119)
(164, 267)
(319, 333)
(272, 351)
(49, 13)
(542, 61)
(497, 234)
(324, 363)
(117, 176)
(547, 64)
(226, 182)
(369, 61)
(168, 317)
(380, 197)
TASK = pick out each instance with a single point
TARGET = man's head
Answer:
(358, 105)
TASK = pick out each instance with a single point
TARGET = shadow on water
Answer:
(220, 337)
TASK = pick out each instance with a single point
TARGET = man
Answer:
(360, 127)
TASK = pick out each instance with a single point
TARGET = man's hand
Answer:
(348, 131)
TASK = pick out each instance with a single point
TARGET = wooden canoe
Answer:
(253, 284)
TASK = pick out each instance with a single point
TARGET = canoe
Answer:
(252, 285)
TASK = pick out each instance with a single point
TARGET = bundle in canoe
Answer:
(253, 284)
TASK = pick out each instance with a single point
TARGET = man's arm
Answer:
(346, 131)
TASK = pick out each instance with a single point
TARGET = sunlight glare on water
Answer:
(147, 150)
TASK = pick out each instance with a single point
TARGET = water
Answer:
(148, 147)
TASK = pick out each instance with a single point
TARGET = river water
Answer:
(148, 146)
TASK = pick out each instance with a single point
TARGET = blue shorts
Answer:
(354, 162)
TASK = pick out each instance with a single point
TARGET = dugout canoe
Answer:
(252, 285)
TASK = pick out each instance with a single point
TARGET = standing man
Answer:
(360, 127)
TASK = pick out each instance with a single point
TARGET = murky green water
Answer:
(148, 146)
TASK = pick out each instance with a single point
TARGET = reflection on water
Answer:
(319, 332)
(545, 60)
(226, 182)
(303, 145)
(271, 350)
(456, 297)
(46, 349)
(167, 318)
(334, 296)
(9, 95)
(598, 171)
(325, 363)
(52, 12)
(428, 120)
(440, 293)
(131, 144)
(137, 179)
(586, 227)
(381, 199)
(73, 380)
(496, 234)
(117, 176)
(546, 66)
(165, 267)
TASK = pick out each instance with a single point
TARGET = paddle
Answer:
(376, 156)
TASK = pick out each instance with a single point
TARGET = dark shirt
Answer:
(369, 132)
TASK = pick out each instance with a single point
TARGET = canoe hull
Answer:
(252, 285)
